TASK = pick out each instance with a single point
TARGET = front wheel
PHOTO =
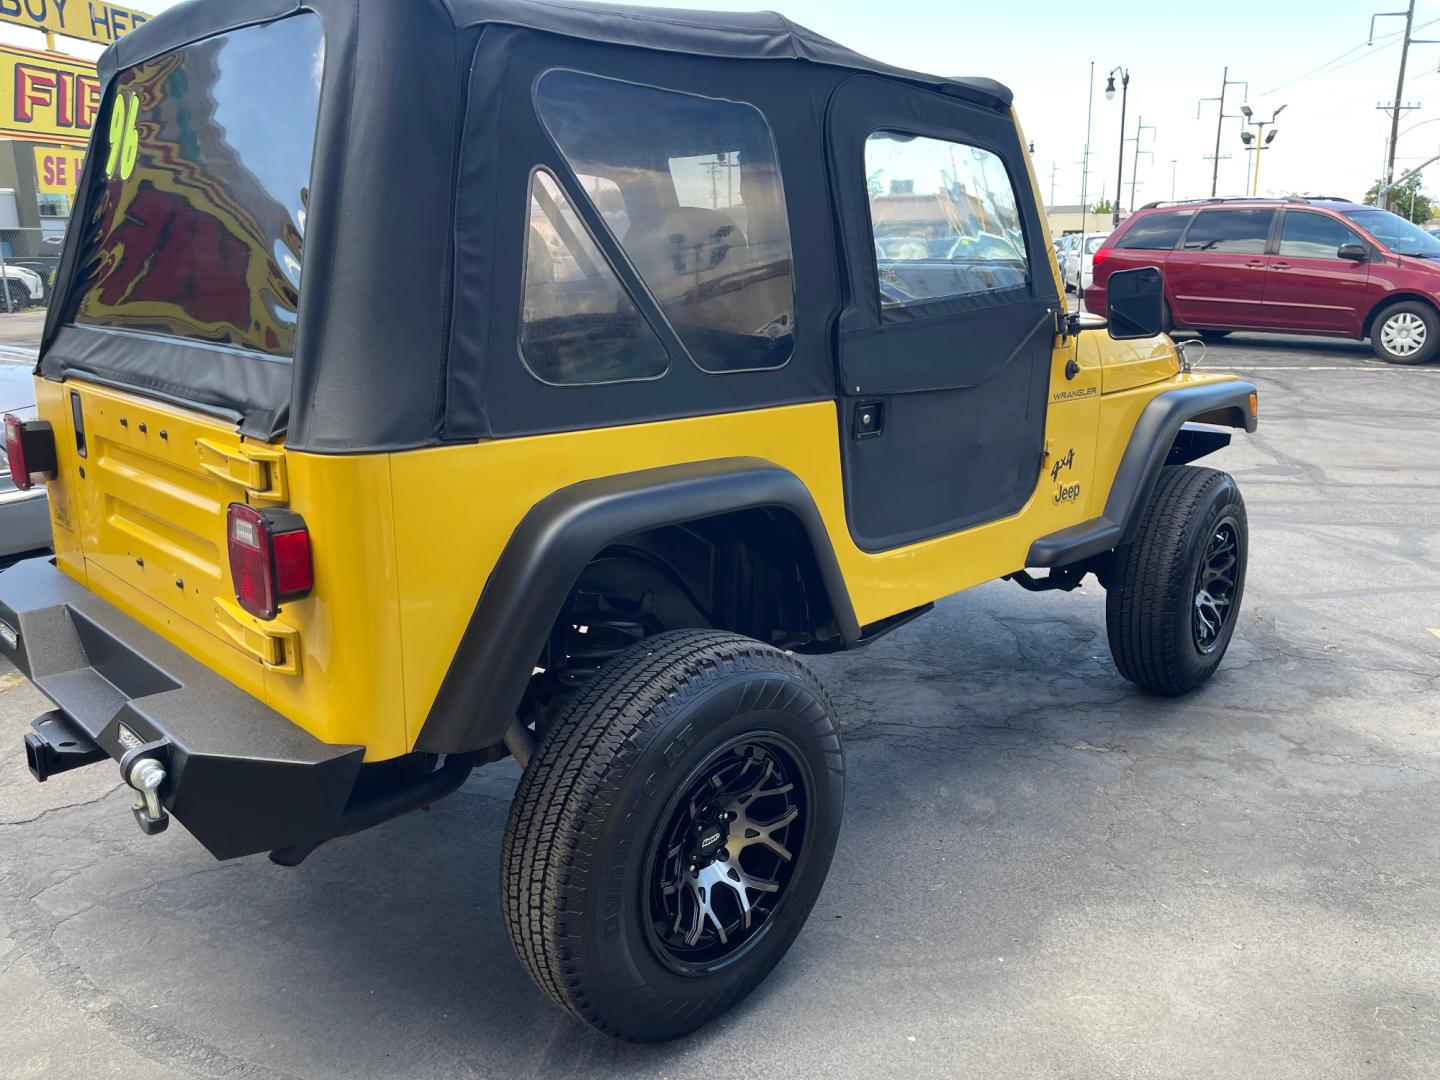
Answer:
(1406, 333)
(667, 841)
(1173, 594)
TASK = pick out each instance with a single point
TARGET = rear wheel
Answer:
(19, 295)
(1174, 593)
(1406, 333)
(670, 836)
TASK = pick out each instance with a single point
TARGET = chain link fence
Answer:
(28, 260)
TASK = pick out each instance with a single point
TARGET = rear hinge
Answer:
(260, 471)
(274, 644)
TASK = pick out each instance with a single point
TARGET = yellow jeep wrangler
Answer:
(435, 381)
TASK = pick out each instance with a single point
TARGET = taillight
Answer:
(30, 448)
(1100, 256)
(269, 558)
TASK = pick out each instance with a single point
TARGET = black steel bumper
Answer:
(240, 776)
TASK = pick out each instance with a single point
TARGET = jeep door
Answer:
(1217, 276)
(1308, 287)
(946, 341)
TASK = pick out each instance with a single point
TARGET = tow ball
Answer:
(145, 773)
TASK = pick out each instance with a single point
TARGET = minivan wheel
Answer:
(1406, 333)
(670, 836)
(1173, 593)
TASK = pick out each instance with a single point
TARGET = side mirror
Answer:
(1135, 303)
(1353, 252)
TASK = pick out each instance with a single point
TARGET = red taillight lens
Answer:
(1100, 256)
(30, 449)
(269, 558)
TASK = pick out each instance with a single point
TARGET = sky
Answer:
(1310, 56)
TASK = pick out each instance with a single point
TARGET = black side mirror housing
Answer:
(1135, 303)
(1352, 252)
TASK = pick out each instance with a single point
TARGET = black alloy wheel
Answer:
(1215, 580)
(1172, 594)
(672, 832)
(722, 862)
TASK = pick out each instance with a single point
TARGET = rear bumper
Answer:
(239, 775)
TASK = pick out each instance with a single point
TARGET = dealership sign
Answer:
(47, 97)
(88, 20)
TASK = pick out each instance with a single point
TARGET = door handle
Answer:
(1256, 264)
(1279, 266)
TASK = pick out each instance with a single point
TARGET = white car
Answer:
(1078, 269)
(24, 515)
(24, 286)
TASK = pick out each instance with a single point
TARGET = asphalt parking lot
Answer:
(1042, 872)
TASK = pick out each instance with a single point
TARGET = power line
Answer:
(1334, 63)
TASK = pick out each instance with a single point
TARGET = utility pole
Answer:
(1409, 14)
(1140, 126)
(1052, 183)
(1225, 83)
(1173, 162)
(1084, 180)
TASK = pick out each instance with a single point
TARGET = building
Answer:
(1066, 219)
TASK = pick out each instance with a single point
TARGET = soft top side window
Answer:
(704, 219)
(944, 217)
(579, 325)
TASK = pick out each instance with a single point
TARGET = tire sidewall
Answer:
(1427, 315)
(619, 949)
(1223, 504)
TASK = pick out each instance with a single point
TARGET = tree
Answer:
(1104, 206)
(1406, 199)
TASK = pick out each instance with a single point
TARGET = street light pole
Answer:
(1259, 138)
(1120, 163)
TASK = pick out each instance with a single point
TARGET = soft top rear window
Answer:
(196, 227)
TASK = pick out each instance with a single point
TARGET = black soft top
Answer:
(413, 244)
(742, 35)
(745, 35)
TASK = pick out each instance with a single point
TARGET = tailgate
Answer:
(152, 489)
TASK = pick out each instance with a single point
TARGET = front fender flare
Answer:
(1226, 404)
(483, 687)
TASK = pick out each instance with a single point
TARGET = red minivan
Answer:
(1299, 266)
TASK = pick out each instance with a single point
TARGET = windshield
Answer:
(196, 228)
(1397, 234)
(1094, 244)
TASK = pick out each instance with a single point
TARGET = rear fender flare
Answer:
(492, 666)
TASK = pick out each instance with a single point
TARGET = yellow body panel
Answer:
(144, 527)
(403, 543)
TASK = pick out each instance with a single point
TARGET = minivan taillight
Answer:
(269, 558)
(30, 449)
(1100, 256)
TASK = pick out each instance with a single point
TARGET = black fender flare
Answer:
(1160, 430)
(483, 687)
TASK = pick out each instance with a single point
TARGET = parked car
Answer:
(25, 286)
(1079, 260)
(608, 508)
(1307, 266)
(24, 515)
